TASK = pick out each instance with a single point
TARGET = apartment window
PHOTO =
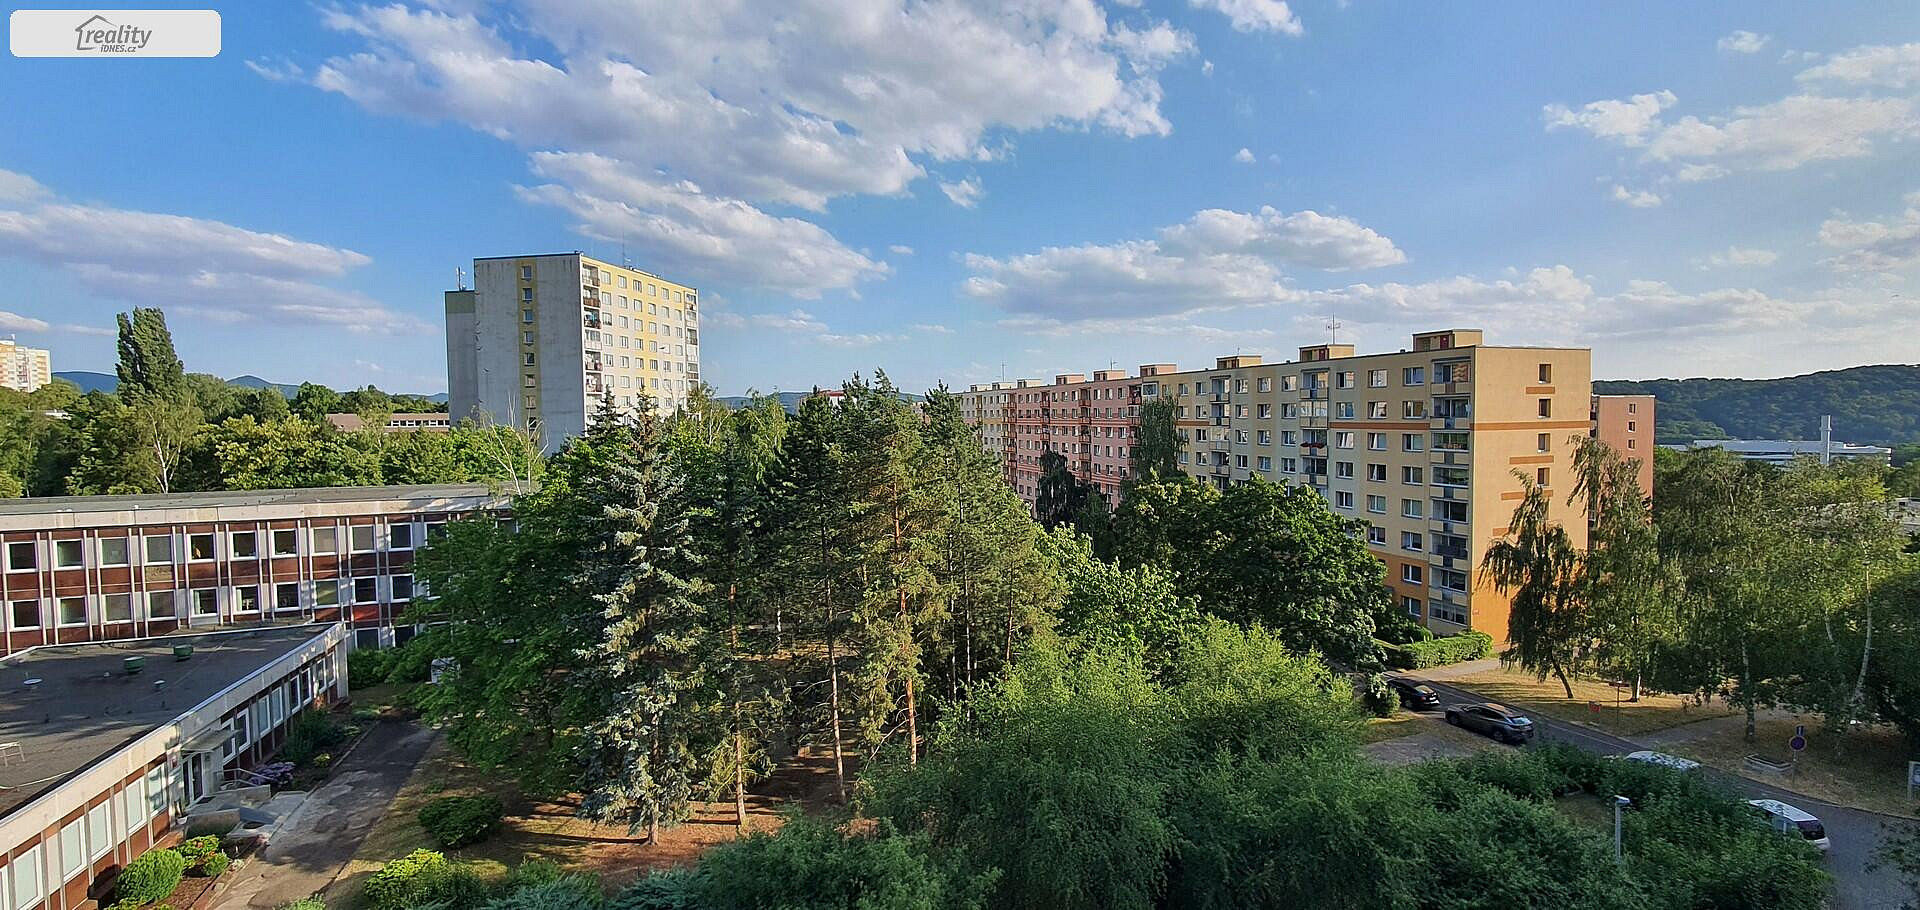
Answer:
(1450, 579)
(531, 401)
(526, 316)
(1343, 379)
(1266, 463)
(1411, 574)
(1264, 383)
(1546, 374)
(1449, 476)
(1412, 476)
(159, 548)
(1343, 410)
(528, 381)
(1288, 465)
(1543, 476)
(526, 273)
(1377, 442)
(326, 593)
(1266, 438)
(1343, 500)
(1450, 510)
(1376, 535)
(286, 542)
(206, 602)
(160, 605)
(1239, 461)
(1633, 408)
(1412, 442)
(246, 545)
(199, 547)
(73, 848)
(361, 538)
(73, 611)
(27, 890)
(1289, 382)
(400, 536)
(1266, 413)
(24, 614)
(1343, 469)
(1413, 410)
(1450, 546)
(1411, 508)
(1632, 426)
(246, 599)
(326, 540)
(365, 590)
(1376, 379)
(134, 804)
(527, 358)
(526, 294)
(113, 551)
(68, 554)
(117, 607)
(1377, 473)
(1411, 605)
(20, 556)
(1630, 444)
(1546, 407)
(527, 337)
(1240, 386)
(402, 588)
(1450, 442)
(1377, 504)
(1376, 410)
(1413, 376)
(1343, 439)
(1412, 541)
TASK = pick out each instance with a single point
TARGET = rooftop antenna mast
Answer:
(459, 278)
(1333, 330)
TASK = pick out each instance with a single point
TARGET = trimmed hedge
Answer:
(150, 877)
(1450, 649)
(420, 879)
(456, 821)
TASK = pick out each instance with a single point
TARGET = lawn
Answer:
(1402, 723)
(551, 830)
(1594, 702)
(1869, 773)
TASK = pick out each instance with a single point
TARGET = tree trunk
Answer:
(1635, 692)
(906, 646)
(1859, 682)
(739, 772)
(833, 673)
(1746, 688)
(1566, 684)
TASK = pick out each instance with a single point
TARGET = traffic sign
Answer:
(1799, 741)
(1913, 777)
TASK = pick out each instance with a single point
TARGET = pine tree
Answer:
(654, 661)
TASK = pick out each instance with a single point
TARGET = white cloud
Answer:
(900, 249)
(1243, 156)
(1206, 67)
(963, 193)
(693, 233)
(1738, 257)
(1874, 246)
(14, 322)
(866, 340)
(194, 265)
(1255, 15)
(1896, 67)
(1624, 121)
(1639, 199)
(281, 70)
(1216, 259)
(1743, 42)
(17, 187)
(928, 329)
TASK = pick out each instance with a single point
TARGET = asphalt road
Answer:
(1854, 834)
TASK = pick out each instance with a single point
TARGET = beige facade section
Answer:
(22, 368)
(1625, 422)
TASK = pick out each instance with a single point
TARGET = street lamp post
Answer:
(1619, 803)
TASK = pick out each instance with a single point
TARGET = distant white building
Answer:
(23, 368)
(1782, 451)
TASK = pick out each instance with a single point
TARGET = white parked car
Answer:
(1663, 760)
(1788, 819)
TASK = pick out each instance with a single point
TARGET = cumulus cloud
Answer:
(194, 265)
(1243, 156)
(14, 322)
(900, 249)
(692, 232)
(1255, 15)
(1639, 199)
(1886, 245)
(1217, 258)
(17, 187)
(1869, 110)
(1738, 257)
(1743, 42)
(964, 193)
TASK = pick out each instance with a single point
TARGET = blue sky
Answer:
(958, 191)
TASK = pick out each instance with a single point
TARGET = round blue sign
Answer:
(1798, 743)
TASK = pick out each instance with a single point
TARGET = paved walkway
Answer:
(1455, 671)
(311, 846)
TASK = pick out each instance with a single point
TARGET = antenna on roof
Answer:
(1333, 330)
(459, 278)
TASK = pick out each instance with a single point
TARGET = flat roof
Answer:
(238, 498)
(86, 707)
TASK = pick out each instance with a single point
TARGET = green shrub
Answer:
(196, 850)
(150, 877)
(310, 735)
(1379, 699)
(534, 870)
(1450, 649)
(1517, 774)
(455, 821)
(367, 667)
(421, 879)
(571, 891)
(305, 903)
(214, 865)
(1578, 768)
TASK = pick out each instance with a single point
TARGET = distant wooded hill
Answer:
(1875, 405)
(107, 382)
(791, 400)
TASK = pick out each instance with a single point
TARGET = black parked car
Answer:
(1414, 694)
(1495, 720)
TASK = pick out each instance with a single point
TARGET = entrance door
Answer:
(196, 777)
